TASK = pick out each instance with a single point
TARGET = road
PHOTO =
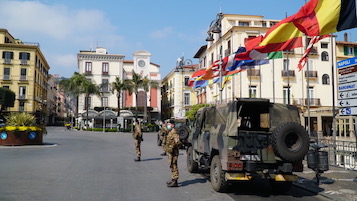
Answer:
(96, 166)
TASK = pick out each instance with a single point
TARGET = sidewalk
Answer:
(337, 184)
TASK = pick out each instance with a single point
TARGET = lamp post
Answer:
(180, 63)
(216, 28)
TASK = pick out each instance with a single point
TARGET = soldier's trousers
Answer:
(137, 147)
(173, 166)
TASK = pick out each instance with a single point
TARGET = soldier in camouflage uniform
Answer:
(172, 147)
(163, 134)
(138, 137)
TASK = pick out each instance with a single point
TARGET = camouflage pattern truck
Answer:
(247, 139)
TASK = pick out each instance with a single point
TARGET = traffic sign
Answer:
(347, 87)
(347, 62)
(348, 111)
(347, 95)
(347, 103)
(347, 78)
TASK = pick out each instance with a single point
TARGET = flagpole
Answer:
(273, 81)
(333, 97)
(260, 82)
(308, 91)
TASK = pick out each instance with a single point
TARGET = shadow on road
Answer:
(194, 181)
(152, 159)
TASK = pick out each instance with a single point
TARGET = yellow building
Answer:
(24, 70)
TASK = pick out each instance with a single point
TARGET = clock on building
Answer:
(141, 63)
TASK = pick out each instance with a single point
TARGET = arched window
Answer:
(326, 79)
(324, 56)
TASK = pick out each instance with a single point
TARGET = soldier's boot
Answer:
(137, 159)
(163, 154)
(170, 181)
(173, 183)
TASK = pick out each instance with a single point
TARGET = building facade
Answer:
(24, 70)
(102, 68)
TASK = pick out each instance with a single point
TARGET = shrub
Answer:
(20, 119)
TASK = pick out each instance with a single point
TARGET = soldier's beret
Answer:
(172, 121)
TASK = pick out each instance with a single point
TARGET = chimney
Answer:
(345, 36)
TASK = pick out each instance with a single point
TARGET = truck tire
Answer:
(183, 133)
(192, 166)
(217, 175)
(290, 141)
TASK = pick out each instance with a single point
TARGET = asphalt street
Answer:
(96, 166)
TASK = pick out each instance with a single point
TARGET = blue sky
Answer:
(167, 29)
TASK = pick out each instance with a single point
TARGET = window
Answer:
(24, 56)
(349, 50)
(105, 68)
(187, 99)
(252, 91)
(286, 95)
(186, 81)
(6, 73)
(8, 87)
(286, 64)
(104, 101)
(244, 24)
(141, 98)
(21, 106)
(324, 45)
(311, 64)
(324, 56)
(105, 85)
(23, 74)
(22, 92)
(87, 102)
(326, 79)
(7, 55)
(264, 24)
(311, 95)
(88, 67)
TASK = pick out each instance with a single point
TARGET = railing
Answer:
(313, 50)
(23, 77)
(286, 73)
(7, 61)
(24, 62)
(311, 74)
(313, 101)
(341, 153)
(6, 77)
(22, 97)
(227, 52)
(289, 51)
(253, 72)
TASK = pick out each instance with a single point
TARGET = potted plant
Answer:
(21, 129)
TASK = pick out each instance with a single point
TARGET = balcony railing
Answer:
(289, 51)
(311, 74)
(23, 77)
(227, 52)
(313, 50)
(312, 101)
(253, 72)
(287, 73)
(22, 97)
(24, 62)
(7, 61)
(6, 77)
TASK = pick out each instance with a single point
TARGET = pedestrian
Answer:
(163, 134)
(138, 138)
(172, 147)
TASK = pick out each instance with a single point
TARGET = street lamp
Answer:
(180, 63)
(216, 28)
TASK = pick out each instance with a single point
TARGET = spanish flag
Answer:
(321, 17)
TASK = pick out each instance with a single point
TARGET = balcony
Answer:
(253, 72)
(23, 78)
(287, 73)
(6, 77)
(289, 51)
(313, 101)
(311, 74)
(22, 96)
(24, 62)
(7, 61)
(227, 52)
(313, 51)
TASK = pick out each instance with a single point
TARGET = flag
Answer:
(321, 17)
(283, 36)
(303, 59)
(195, 75)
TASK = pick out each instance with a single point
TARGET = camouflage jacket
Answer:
(173, 142)
(137, 134)
(163, 131)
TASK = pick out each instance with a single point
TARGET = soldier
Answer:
(138, 137)
(172, 147)
(163, 134)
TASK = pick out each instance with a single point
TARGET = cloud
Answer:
(65, 64)
(163, 33)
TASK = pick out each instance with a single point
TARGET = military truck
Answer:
(248, 139)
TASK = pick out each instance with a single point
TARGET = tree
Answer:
(78, 84)
(147, 84)
(7, 98)
(137, 83)
(119, 86)
(193, 110)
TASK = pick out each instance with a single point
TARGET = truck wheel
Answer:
(290, 141)
(218, 179)
(280, 186)
(192, 166)
(183, 133)
(159, 142)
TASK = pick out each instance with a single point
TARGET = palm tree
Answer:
(137, 83)
(147, 84)
(121, 85)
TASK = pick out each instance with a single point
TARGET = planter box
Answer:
(21, 137)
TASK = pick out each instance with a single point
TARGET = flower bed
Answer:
(21, 135)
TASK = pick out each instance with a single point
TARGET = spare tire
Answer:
(290, 141)
(183, 133)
